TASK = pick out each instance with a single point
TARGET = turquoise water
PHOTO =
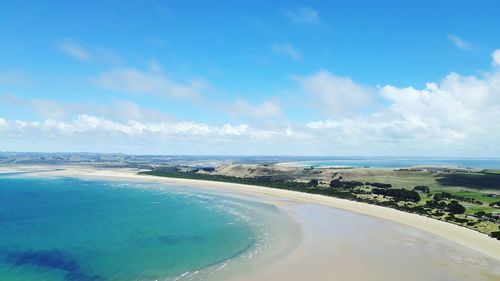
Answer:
(74, 229)
(392, 162)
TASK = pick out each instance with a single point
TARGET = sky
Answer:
(339, 78)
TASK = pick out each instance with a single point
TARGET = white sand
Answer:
(346, 245)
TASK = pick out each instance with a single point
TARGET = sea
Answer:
(396, 162)
(73, 229)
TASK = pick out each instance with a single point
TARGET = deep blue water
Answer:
(86, 230)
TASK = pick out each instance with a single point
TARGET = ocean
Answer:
(90, 230)
(398, 162)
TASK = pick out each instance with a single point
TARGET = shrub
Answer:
(495, 204)
(337, 183)
(422, 188)
(398, 194)
(313, 183)
(455, 208)
(379, 185)
(442, 195)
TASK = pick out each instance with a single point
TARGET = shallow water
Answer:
(75, 229)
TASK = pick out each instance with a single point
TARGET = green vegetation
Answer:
(422, 188)
(313, 183)
(337, 183)
(491, 171)
(455, 208)
(398, 194)
(474, 208)
(378, 184)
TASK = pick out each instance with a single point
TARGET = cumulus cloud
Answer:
(456, 113)
(459, 42)
(335, 95)
(496, 57)
(131, 80)
(302, 15)
(288, 50)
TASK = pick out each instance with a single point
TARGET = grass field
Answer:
(477, 186)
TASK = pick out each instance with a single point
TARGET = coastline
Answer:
(294, 203)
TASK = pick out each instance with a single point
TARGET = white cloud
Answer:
(287, 49)
(496, 57)
(128, 110)
(76, 51)
(266, 109)
(335, 95)
(93, 126)
(238, 130)
(43, 107)
(122, 110)
(3, 123)
(48, 108)
(459, 42)
(89, 53)
(130, 80)
(303, 15)
(457, 114)
(97, 134)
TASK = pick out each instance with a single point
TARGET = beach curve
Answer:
(292, 201)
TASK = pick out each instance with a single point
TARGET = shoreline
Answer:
(293, 203)
(461, 235)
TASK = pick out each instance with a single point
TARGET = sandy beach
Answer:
(343, 239)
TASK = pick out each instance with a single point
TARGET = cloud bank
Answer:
(454, 116)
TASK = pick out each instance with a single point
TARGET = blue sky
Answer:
(269, 77)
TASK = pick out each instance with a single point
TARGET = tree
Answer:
(398, 194)
(422, 188)
(379, 185)
(336, 183)
(313, 183)
(455, 208)
(480, 214)
(442, 195)
(495, 204)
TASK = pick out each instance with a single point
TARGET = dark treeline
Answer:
(379, 184)
(422, 188)
(479, 181)
(337, 183)
(446, 195)
(398, 193)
